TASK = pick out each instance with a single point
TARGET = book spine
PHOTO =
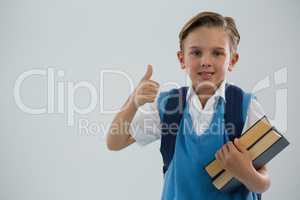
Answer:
(270, 153)
(231, 185)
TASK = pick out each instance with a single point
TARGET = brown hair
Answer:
(211, 19)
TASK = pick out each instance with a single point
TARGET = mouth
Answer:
(206, 75)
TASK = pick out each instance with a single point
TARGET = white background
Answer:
(41, 157)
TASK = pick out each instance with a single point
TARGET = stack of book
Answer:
(262, 141)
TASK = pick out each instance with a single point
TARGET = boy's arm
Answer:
(255, 112)
(119, 135)
(257, 180)
(237, 160)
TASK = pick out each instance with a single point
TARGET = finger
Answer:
(223, 153)
(145, 96)
(149, 91)
(263, 170)
(225, 149)
(239, 145)
(150, 84)
(231, 146)
(264, 167)
(217, 156)
(154, 83)
(146, 89)
(148, 73)
(148, 98)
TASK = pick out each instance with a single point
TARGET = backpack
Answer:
(175, 102)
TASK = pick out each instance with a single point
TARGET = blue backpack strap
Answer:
(170, 120)
(234, 111)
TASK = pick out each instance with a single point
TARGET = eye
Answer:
(196, 52)
(218, 53)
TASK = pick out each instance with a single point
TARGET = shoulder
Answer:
(232, 91)
(250, 104)
(250, 99)
(252, 109)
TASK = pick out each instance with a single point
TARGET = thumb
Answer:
(240, 146)
(148, 73)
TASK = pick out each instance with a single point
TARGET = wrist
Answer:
(247, 173)
(132, 103)
(253, 180)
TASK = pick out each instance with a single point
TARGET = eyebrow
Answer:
(196, 47)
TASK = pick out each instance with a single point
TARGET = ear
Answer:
(234, 59)
(180, 56)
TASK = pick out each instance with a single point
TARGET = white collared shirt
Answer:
(202, 116)
(145, 124)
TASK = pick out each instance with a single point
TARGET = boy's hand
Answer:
(146, 90)
(235, 158)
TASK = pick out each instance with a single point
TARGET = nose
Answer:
(205, 65)
(206, 61)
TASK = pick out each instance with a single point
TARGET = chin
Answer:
(205, 85)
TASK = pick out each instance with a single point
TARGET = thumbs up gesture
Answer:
(146, 90)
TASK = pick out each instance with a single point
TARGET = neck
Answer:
(205, 92)
(203, 99)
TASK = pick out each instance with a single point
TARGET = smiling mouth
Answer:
(206, 75)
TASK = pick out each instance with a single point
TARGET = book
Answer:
(263, 142)
(250, 136)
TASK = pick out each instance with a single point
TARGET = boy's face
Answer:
(206, 57)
